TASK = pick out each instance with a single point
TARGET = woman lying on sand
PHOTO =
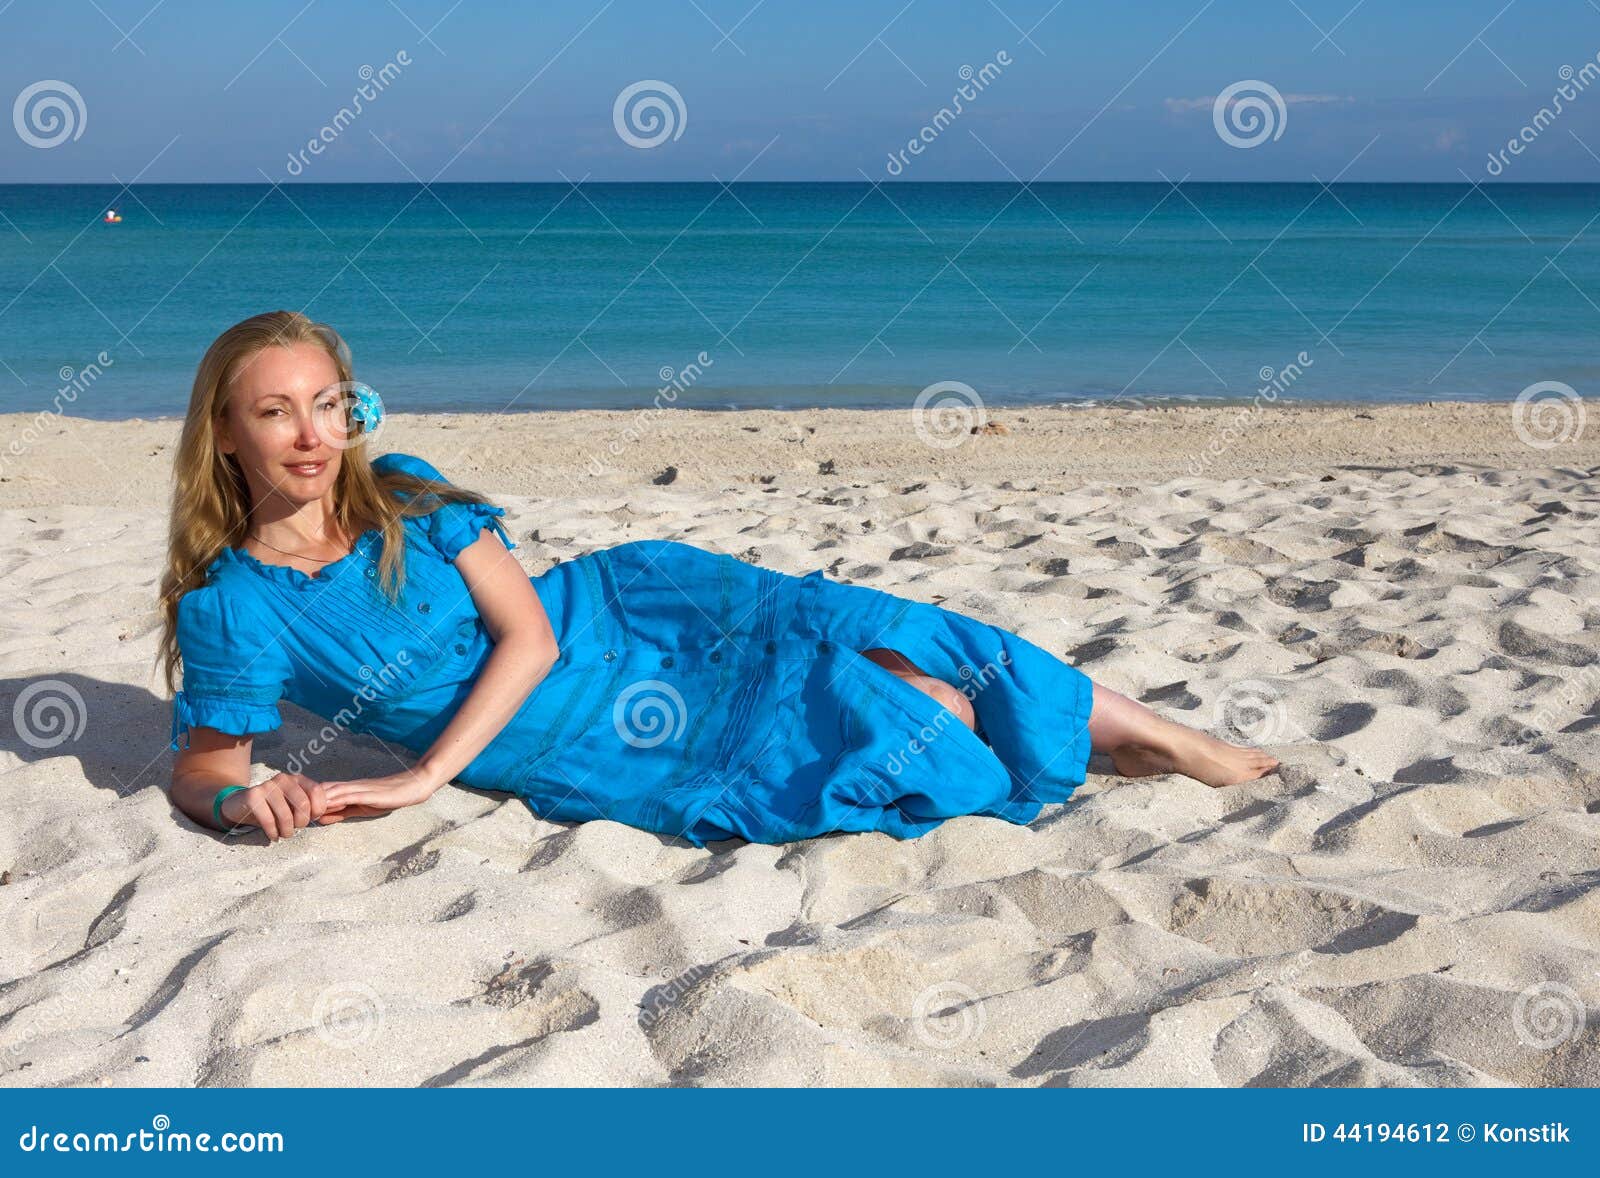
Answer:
(651, 683)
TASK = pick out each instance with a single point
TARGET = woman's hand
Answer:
(368, 796)
(339, 814)
(280, 805)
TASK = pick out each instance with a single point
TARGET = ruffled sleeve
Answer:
(452, 526)
(235, 668)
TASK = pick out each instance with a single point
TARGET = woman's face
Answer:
(284, 422)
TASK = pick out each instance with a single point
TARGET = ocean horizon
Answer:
(505, 296)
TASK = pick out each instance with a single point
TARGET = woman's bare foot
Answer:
(1141, 743)
(1193, 754)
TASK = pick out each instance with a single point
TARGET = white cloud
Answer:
(1178, 105)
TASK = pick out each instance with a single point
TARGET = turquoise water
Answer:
(533, 296)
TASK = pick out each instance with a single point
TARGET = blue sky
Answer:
(824, 90)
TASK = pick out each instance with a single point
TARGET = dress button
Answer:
(716, 656)
(423, 607)
(667, 660)
(371, 572)
(771, 646)
(824, 647)
(461, 648)
(610, 656)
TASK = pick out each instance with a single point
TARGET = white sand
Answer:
(1384, 597)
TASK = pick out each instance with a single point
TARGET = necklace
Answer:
(300, 555)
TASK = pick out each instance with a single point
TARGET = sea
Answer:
(512, 297)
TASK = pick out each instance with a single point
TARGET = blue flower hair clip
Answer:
(368, 407)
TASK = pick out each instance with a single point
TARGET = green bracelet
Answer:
(216, 802)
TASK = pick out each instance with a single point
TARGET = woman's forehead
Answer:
(306, 368)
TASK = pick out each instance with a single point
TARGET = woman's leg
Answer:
(946, 693)
(1141, 743)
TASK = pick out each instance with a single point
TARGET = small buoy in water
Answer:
(112, 217)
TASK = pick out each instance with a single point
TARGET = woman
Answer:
(652, 683)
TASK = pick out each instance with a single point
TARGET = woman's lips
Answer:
(307, 470)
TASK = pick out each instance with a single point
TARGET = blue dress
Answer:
(695, 695)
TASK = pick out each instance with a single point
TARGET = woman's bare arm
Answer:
(524, 651)
(215, 760)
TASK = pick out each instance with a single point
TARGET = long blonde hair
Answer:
(211, 500)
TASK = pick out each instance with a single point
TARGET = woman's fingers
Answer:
(281, 810)
(352, 810)
(261, 812)
(342, 793)
(299, 805)
(318, 797)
